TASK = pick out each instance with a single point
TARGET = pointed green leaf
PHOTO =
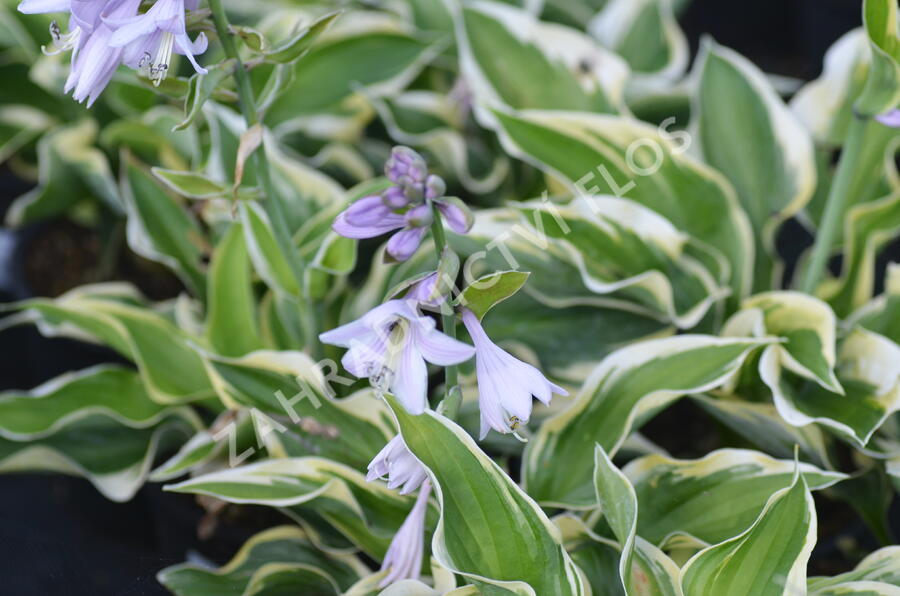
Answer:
(768, 559)
(490, 531)
(626, 389)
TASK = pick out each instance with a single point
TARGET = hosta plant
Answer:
(396, 225)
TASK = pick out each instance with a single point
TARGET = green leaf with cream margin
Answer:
(772, 167)
(432, 121)
(381, 55)
(231, 325)
(647, 35)
(98, 423)
(643, 569)
(881, 566)
(160, 228)
(70, 168)
(626, 250)
(170, 371)
(868, 228)
(490, 531)
(295, 390)
(367, 513)
(882, 90)
(280, 550)
(768, 559)
(511, 59)
(599, 154)
(711, 499)
(868, 366)
(825, 105)
(763, 426)
(806, 327)
(625, 390)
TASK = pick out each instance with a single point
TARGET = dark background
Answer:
(59, 536)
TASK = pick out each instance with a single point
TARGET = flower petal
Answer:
(348, 230)
(891, 118)
(404, 243)
(440, 349)
(410, 383)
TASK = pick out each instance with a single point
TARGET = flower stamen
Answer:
(62, 42)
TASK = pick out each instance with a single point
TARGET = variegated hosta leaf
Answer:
(762, 425)
(882, 90)
(646, 34)
(567, 342)
(170, 371)
(70, 169)
(290, 389)
(109, 391)
(625, 250)
(772, 168)
(806, 327)
(869, 227)
(20, 125)
(825, 105)
(432, 121)
(628, 387)
(283, 554)
(713, 498)
(161, 229)
(269, 261)
(599, 154)
(643, 569)
(99, 423)
(490, 531)
(510, 58)
(769, 558)
(380, 56)
(230, 436)
(368, 514)
(882, 315)
(231, 325)
(869, 371)
(881, 566)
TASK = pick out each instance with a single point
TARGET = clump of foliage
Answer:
(571, 212)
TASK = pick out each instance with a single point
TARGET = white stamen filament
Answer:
(61, 42)
(158, 68)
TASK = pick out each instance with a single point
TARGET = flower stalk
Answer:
(247, 100)
(449, 406)
(851, 173)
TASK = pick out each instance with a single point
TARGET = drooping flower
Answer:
(399, 466)
(405, 206)
(390, 344)
(95, 62)
(505, 383)
(151, 38)
(404, 556)
(84, 17)
(891, 118)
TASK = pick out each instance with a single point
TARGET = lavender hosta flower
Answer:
(151, 38)
(399, 466)
(95, 63)
(891, 118)
(406, 206)
(505, 383)
(404, 556)
(84, 17)
(390, 344)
